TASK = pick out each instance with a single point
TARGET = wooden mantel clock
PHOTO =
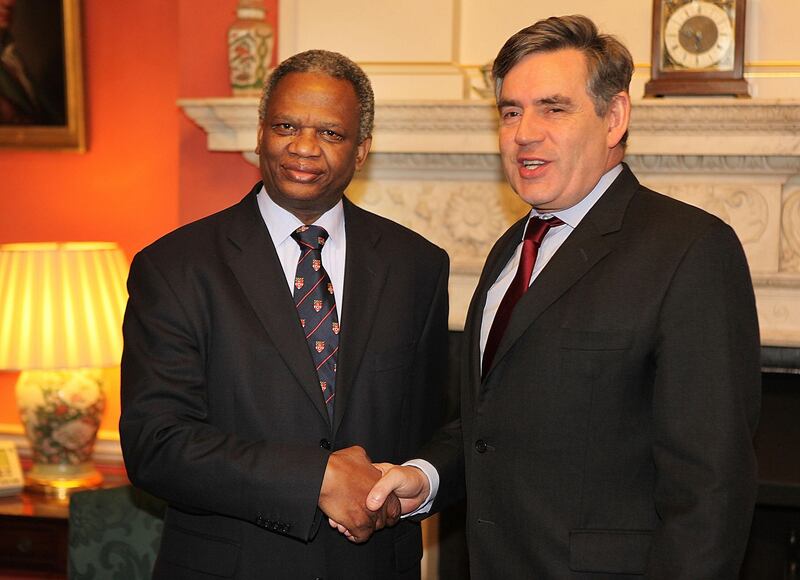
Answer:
(698, 48)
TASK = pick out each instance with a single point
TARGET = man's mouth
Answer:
(532, 163)
(301, 173)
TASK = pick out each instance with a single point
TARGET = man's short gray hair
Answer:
(334, 65)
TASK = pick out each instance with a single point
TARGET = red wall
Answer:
(208, 181)
(146, 169)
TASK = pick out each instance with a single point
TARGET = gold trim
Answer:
(108, 435)
(637, 66)
(407, 63)
(773, 64)
(72, 135)
(11, 429)
(772, 75)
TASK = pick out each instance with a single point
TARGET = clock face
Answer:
(698, 35)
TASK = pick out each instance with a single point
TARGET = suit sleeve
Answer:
(429, 375)
(705, 409)
(169, 446)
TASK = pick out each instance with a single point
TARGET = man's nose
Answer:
(529, 130)
(305, 143)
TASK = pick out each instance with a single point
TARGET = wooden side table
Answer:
(34, 532)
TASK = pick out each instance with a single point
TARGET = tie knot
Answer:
(537, 228)
(312, 237)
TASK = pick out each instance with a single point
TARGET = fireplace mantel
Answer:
(680, 126)
(434, 167)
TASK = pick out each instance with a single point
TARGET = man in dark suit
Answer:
(268, 346)
(608, 400)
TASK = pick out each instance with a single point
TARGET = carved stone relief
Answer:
(742, 207)
(774, 117)
(778, 314)
(719, 164)
(790, 228)
(465, 218)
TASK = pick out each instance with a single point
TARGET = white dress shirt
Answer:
(281, 223)
(552, 241)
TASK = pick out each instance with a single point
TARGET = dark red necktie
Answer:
(316, 307)
(534, 234)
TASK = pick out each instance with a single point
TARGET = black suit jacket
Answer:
(222, 414)
(612, 437)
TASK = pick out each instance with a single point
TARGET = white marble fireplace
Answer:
(434, 168)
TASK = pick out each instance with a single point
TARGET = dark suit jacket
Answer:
(222, 414)
(612, 437)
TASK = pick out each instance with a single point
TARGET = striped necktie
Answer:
(316, 307)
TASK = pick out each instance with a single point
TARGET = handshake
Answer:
(360, 497)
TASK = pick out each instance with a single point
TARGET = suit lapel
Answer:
(582, 250)
(495, 262)
(365, 276)
(255, 264)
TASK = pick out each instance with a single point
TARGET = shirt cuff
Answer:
(433, 481)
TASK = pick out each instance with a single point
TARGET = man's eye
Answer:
(283, 128)
(510, 114)
(331, 135)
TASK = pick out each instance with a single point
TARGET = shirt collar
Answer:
(572, 216)
(281, 223)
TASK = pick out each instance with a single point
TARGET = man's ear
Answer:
(258, 138)
(362, 150)
(618, 117)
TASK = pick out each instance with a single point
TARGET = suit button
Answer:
(325, 444)
(480, 446)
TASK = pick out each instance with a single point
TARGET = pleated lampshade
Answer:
(61, 305)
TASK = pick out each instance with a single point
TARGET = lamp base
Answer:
(59, 481)
(61, 412)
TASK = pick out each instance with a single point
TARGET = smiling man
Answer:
(275, 347)
(611, 384)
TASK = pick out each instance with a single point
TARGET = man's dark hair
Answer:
(609, 64)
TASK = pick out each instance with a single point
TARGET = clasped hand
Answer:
(392, 490)
(349, 477)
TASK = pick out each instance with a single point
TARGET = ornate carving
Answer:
(473, 218)
(743, 208)
(465, 218)
(692, 164)
(436, 117)
(716, 117)
(703, 164)
(790, 230)
(435, 161)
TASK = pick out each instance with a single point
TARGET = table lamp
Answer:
(61, 307)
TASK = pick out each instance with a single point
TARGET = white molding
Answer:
(678, 127)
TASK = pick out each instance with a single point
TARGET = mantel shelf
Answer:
(676, 126)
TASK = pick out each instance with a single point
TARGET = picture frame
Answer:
(12, 479)
(41, 76)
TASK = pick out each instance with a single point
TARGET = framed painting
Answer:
(41, 75)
